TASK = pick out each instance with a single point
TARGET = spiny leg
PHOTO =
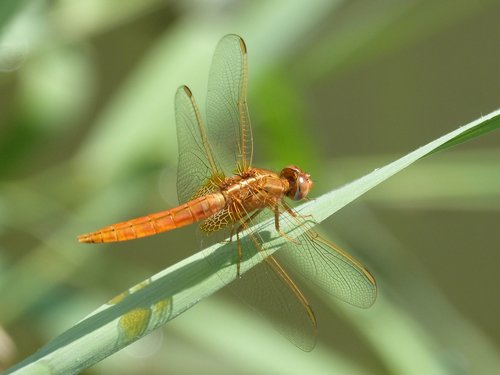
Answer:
(277, 224)
(243, 225)
(231, 233)
(294, 213)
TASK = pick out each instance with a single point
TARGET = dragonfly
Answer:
(220, 188)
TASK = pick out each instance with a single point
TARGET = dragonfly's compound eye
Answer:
(300, 182)
(302, 186)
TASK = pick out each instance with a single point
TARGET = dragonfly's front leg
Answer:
(277, 224)
(294, 213)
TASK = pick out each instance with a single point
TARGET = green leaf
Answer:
(172, 291)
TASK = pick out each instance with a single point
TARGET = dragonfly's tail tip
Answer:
(85, 238)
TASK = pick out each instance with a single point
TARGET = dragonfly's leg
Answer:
(231, 234)
(240, 254)
(290, 211)
(277, 226)
(294, 213)
(243, 225)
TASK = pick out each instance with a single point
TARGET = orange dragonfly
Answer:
(216, 179)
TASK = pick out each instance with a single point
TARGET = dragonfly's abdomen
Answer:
(188, 213)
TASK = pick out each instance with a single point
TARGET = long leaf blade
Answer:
(172, 291)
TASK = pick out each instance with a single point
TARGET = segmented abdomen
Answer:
(188, 213)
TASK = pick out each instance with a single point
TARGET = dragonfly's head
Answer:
(299, 182)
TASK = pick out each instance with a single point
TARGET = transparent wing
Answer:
(266, 287)
(269, 290)
(197, 166)
(229, 125)
(330, 268)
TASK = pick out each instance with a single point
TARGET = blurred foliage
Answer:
(338, 87)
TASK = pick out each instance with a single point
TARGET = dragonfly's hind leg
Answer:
(243, 225)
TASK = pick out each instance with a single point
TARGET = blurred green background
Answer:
(87, 137)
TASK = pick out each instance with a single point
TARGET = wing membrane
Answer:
(327, 266)
(267, 286)
(267, 289)
(197, 166)
(229, 125)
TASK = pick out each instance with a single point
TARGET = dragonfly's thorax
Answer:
(254, 189)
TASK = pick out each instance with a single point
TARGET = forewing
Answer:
(330, 268)
(197, 167)
(229, 125)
